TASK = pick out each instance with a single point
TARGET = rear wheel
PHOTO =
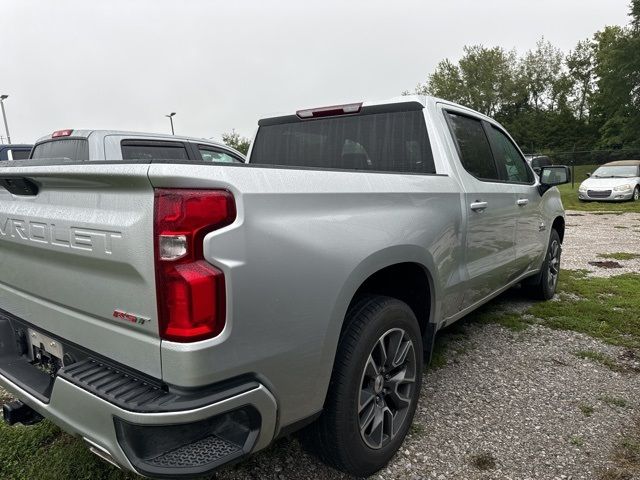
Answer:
(374, 388)
(546, 282)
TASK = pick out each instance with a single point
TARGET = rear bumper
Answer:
(178, 436)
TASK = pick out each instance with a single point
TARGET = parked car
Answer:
(178, 315)
(536, 162)
(612, 182)
(111, 145)
(15, 151)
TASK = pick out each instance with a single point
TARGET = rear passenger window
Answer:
(209, 155)
(473, 146)
(511, 164)
(132, 150)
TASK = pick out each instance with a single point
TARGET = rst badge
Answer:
(130, 317)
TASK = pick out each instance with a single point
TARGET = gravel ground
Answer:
(588, 235)
(509, 405)
(506, 406)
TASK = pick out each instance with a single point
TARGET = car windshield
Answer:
(616, 171)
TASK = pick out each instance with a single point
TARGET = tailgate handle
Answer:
(20, 186)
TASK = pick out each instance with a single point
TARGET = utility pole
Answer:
(171, 120)
(4, 116)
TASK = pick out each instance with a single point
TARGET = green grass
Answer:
(613, 401)
(620, 255)
(593, 313)
(43, 451)
(598, 357)
(576, 440)
(587, 410)
(570, 196)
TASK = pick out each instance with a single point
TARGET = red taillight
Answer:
(330, 111)
(191, 292)
(62, 133)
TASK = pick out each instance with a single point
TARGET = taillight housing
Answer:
(190, 291)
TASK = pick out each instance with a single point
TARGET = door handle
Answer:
(478, 206)
(522, 202)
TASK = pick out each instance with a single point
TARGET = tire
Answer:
(636, 194)
(348, 435)
(544, 288)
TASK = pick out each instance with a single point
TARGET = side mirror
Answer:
(588, 175)
(552, 176)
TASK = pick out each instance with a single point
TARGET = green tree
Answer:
(580, 63)
(482, 80)
(234, 140)
(542, 71)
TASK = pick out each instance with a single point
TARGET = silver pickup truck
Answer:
(179, 314)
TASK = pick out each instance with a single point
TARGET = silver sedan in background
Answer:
(613, 182)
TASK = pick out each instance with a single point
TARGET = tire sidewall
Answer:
(394, 315)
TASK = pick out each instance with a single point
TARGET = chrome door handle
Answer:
(478, 206)
(522, 202)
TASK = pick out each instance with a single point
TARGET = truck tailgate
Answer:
(78, 252)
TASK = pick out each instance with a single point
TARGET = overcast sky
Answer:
(120, 64)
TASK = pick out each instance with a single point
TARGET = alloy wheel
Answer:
(387, 388)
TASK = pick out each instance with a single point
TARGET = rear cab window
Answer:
(153, 150)
(385, 138)
(73, 149)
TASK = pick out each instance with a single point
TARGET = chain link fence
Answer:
(594, 157)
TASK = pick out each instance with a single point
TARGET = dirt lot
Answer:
(517, 399)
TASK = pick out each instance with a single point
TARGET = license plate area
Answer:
(45, 352)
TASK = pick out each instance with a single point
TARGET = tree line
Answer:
(585, 99)
(550, 101)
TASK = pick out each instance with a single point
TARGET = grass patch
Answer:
(613, 401)
(620, 255)
(625, 457)
(587, 410)
(570, 195)
(609, 309)
(576, 440)
(43, 451)
(598, 357)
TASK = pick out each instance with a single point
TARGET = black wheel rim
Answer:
(387, 388)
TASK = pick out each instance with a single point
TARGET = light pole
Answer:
(170, 119)
(4, 116)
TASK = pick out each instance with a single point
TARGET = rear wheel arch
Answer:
(409, 282)
(559, 225)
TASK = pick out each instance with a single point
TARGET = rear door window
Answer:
(74, 149)
(473, 146)
(388, 141)
(153, 150)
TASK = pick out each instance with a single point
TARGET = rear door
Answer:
(491, 210)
